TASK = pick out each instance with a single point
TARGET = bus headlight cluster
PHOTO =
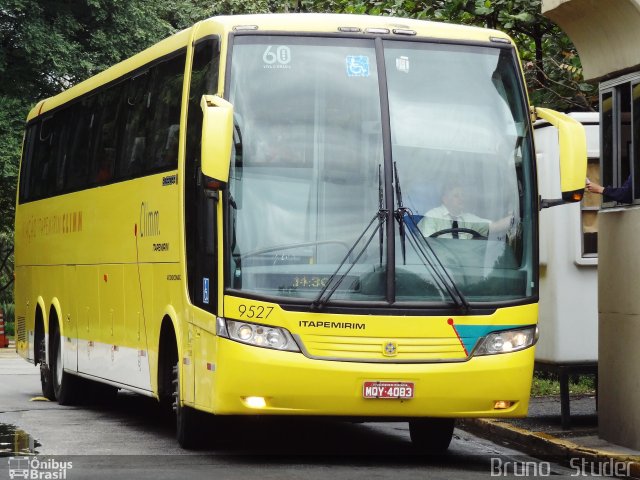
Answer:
(258, 335)
(507, 341)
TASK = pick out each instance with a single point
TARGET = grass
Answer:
(545, 385)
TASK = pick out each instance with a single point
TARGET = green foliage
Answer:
(11, 126)
(545, 385)
(49, 45)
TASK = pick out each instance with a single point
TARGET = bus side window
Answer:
(136, 115)
(27, 161)
(164, 114)
(80, 141)
(63, 119)
(200, 211)
(47, 156)
(42, 167)
(108, 134)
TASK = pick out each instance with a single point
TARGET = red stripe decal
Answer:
(450, 322)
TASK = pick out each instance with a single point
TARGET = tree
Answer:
(45, 47)
(11, 126)
(551, 64)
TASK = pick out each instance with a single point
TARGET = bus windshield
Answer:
(310, 172)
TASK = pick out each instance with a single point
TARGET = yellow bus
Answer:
(312, 214)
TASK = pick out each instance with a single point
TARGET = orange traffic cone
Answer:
(4, 340)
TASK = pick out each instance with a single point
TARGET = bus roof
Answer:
(331, 22)
(283, 22)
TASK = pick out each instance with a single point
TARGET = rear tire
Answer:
(431, 435)
(46, 377)
(65, 386)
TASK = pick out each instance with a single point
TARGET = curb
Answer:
(541, 443)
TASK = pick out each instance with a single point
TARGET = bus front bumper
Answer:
(292, 384)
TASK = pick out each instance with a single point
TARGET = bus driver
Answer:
(451, 216)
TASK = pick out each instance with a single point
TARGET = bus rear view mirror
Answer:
(572, 143)
(217, 131)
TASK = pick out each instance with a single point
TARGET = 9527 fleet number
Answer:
(254, 311)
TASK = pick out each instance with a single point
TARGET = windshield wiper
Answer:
(425, 251)
(334, 280)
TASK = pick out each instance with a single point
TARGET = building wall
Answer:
(607, 36)
(619, 326)
(605, 32)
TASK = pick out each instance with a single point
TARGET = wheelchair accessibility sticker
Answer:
(357, 66)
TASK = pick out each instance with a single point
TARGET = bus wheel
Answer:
(46, 378)
(65, 386)
(187, 424)
(431, 435)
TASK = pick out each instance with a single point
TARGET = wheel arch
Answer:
(169, 351)
(55, 314)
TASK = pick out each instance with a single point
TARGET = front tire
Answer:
(187, 419)
(431, 435)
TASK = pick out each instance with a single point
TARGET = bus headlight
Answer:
(507, 341)
(258, 335)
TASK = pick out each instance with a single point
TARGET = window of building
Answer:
(589, 211)
(620, 124)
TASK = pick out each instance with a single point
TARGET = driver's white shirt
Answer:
(439, 218)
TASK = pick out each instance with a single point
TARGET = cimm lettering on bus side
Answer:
(149, 221)
(327, 324)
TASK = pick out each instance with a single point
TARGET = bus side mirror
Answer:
(573, 156)
(217, 132)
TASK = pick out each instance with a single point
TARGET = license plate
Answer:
(388, 390)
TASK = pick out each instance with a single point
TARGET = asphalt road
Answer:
(130, 438)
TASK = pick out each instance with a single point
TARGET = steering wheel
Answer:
(474, 234)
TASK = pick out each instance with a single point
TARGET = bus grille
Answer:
(21, 330)
(378, 349)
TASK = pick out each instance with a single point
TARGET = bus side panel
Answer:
(135, 334)
(111, 330)
(205, 355)
(68, 305)
(24, 314)
(168, 303)
(87, 291)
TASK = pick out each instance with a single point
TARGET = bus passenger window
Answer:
(80, 145)
(133, 152)
(164, 112)
(109, 129)
(43, 164)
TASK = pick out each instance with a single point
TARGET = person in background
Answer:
(617, 194)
